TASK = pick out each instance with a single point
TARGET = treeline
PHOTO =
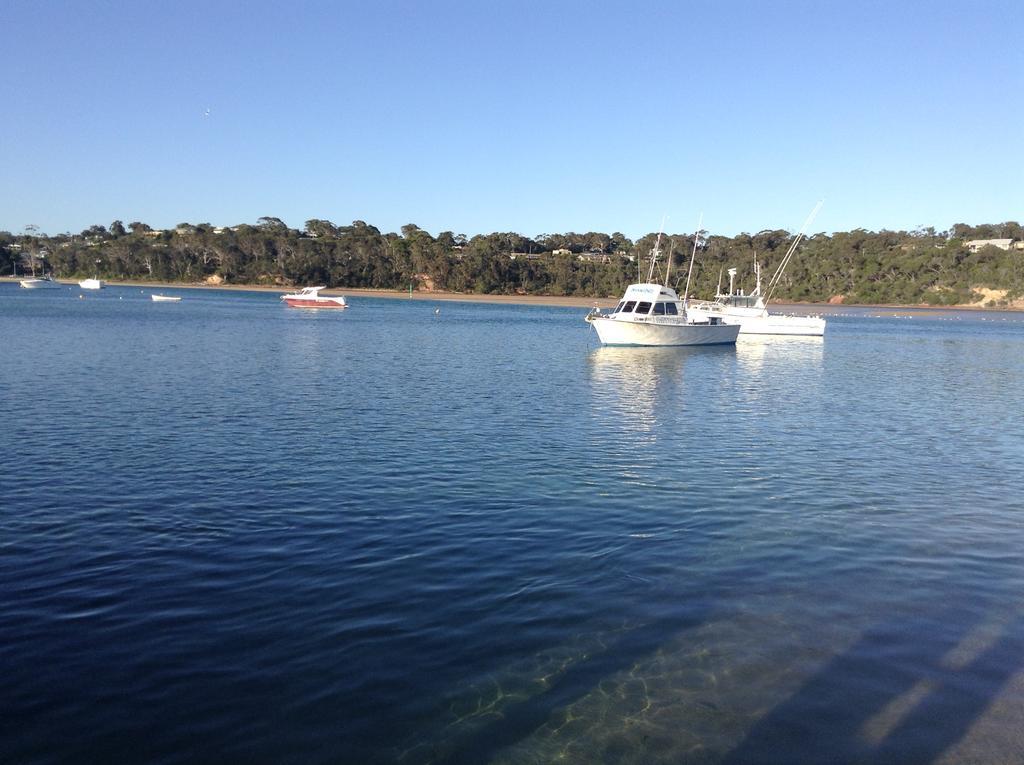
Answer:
(908, 267)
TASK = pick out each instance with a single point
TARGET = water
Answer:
(232, 531)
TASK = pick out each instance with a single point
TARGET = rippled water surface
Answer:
(232, 531)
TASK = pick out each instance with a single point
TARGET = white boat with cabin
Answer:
(310, 297)
(92, 284)
(750, 311)
(652, 314)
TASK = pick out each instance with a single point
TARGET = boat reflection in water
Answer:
(643, 387)
(779, 352)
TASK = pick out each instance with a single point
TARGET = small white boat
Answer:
(310, 297)
(92, 284)
(40, 283)
(652, 314)
(164, 299)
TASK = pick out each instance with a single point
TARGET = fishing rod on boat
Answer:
(668, 263)
(777, 276)
(693, 255)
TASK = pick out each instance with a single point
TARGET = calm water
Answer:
(231, 531)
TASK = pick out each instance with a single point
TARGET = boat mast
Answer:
(774, 281)
(689, 273)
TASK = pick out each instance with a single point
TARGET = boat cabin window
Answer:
(670, 309)
(628, 307)
(618, 307)
(643, 307)
(659, 309)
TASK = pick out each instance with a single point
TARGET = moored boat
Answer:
(92, 284)
(310, 297)
(750, 311)
(165, 299)
(40, 283)
(652, 314)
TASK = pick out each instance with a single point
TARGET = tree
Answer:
(320, 228)
(271, 224)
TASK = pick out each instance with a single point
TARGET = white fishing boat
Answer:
(40, 283)
(653, 314)
(750, 311)
(310, 297)
(164, 299)
(92, 284)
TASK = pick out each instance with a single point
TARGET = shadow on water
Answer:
(906, 692)
(520, 720)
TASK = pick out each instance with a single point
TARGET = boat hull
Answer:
(644, 333)
(40, 284)
(323, 302)
(806, 326)
(761, 322)
(164, 299)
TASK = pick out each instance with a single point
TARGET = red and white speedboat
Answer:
(310, 297)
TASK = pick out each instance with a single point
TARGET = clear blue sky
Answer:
(534, 117)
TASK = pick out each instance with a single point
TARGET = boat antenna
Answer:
(774, 281)
(656, 250)
(689, 273)
(718, 289)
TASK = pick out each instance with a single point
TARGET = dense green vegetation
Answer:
(922, 266)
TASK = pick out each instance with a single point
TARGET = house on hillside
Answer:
(976, 244)
(561, 251)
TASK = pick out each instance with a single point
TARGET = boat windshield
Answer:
(659, 309)
(670, 309)
(643, 307)
(628, 307)
(742, 301)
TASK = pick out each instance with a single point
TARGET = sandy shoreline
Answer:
(548, 300)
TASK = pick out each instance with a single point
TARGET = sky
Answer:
(532, 117)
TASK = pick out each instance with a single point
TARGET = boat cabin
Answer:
(739, 300)
(649, 300)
